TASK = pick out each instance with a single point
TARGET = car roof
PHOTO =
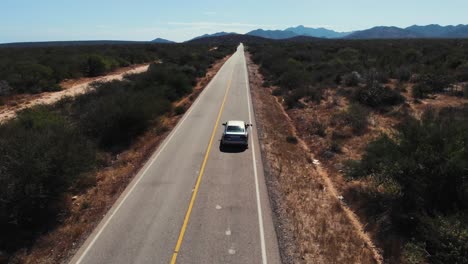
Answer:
(236, 123)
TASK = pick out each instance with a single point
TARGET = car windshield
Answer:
(235, 129)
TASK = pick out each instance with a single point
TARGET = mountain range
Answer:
(380, 32)
(429, 31)
(299, 33)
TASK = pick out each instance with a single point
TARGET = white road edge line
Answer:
(147, 166)
(257, 189)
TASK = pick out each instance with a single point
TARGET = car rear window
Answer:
(235, 129)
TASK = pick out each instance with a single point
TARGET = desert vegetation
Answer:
(39, 69)
(387, 118)
(421, 171)
(304, 69)
(50, 152)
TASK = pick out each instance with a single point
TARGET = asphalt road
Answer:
(194, 202)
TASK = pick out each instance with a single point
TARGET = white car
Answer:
(235, 133)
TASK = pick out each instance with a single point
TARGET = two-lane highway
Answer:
(194, 202)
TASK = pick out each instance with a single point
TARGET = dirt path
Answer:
(71, 88)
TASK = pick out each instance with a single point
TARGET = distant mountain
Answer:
(317, 32)
(384, 33)
(432, 30)
(300, 39)
(161, 40)
(438, 31)
(460, 31)
(217, 34)
(228, 39)
(272, 34)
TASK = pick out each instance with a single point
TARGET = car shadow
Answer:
(231, 148)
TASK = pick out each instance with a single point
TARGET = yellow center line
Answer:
(200, 175)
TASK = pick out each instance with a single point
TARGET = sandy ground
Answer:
(71, 88)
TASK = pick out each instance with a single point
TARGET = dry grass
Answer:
(98, 192)
(313, 224)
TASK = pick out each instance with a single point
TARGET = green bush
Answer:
(179, 110)
(429, 84)
(426, 160)
(420, 91)
(378, 96)
(355, 116)
(292, 139)
(41, 155)
(335, 147)
(96, 66)
(318, 128)
(116, 112)
(351, 79)
(403, 74)
(277, 92)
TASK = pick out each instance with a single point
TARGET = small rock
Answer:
(74, 197)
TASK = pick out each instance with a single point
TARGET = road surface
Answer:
(194, 202)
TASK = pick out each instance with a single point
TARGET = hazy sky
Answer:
(45, 20)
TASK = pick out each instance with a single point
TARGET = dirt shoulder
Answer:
(85, 209)
(72, 88)
(313, 224)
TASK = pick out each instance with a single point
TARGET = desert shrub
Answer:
(401, 87)
(318, 128)
(403, 74)
(446, 236)
(30, 77)
(292, 100)
(293, 78)
(277, 92)
(429, 84)
(41, 155)
(116, 112)
(179, 110)
(355, 116)
(420, 91)
(427, 161)
(351, 79)
(377, 95)
(373, 75)
(335, 147)
(461, 73)
(96, 65)
(292, 139)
